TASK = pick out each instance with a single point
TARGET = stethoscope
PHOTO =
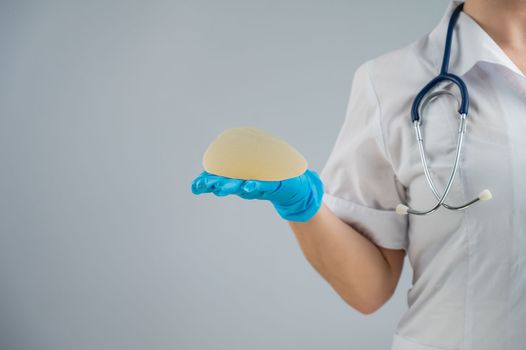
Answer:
(419, 103)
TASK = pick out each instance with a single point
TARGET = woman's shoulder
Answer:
(408, 66)
(397, 76)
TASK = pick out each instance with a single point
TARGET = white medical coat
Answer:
(469, 282)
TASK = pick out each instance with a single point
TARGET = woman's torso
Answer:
(469, 284)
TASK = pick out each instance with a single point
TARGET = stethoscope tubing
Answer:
(429, 180)
(444, 75)
(421, 100)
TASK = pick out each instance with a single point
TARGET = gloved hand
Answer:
(295, 199)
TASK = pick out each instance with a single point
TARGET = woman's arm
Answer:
(363, 274)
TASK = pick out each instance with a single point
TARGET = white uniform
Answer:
(469, 284)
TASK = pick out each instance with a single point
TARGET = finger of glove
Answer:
(253, 189)
(205, 183)
(251, 195)
(227, 187)
(198, 184)
(260, 186)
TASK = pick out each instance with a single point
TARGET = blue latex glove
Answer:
(296, 199)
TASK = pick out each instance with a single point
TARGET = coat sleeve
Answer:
(360, 185)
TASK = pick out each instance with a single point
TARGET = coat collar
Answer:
(471, 44)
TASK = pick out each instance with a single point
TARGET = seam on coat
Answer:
(380, 113)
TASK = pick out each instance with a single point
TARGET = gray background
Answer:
(105, 110)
